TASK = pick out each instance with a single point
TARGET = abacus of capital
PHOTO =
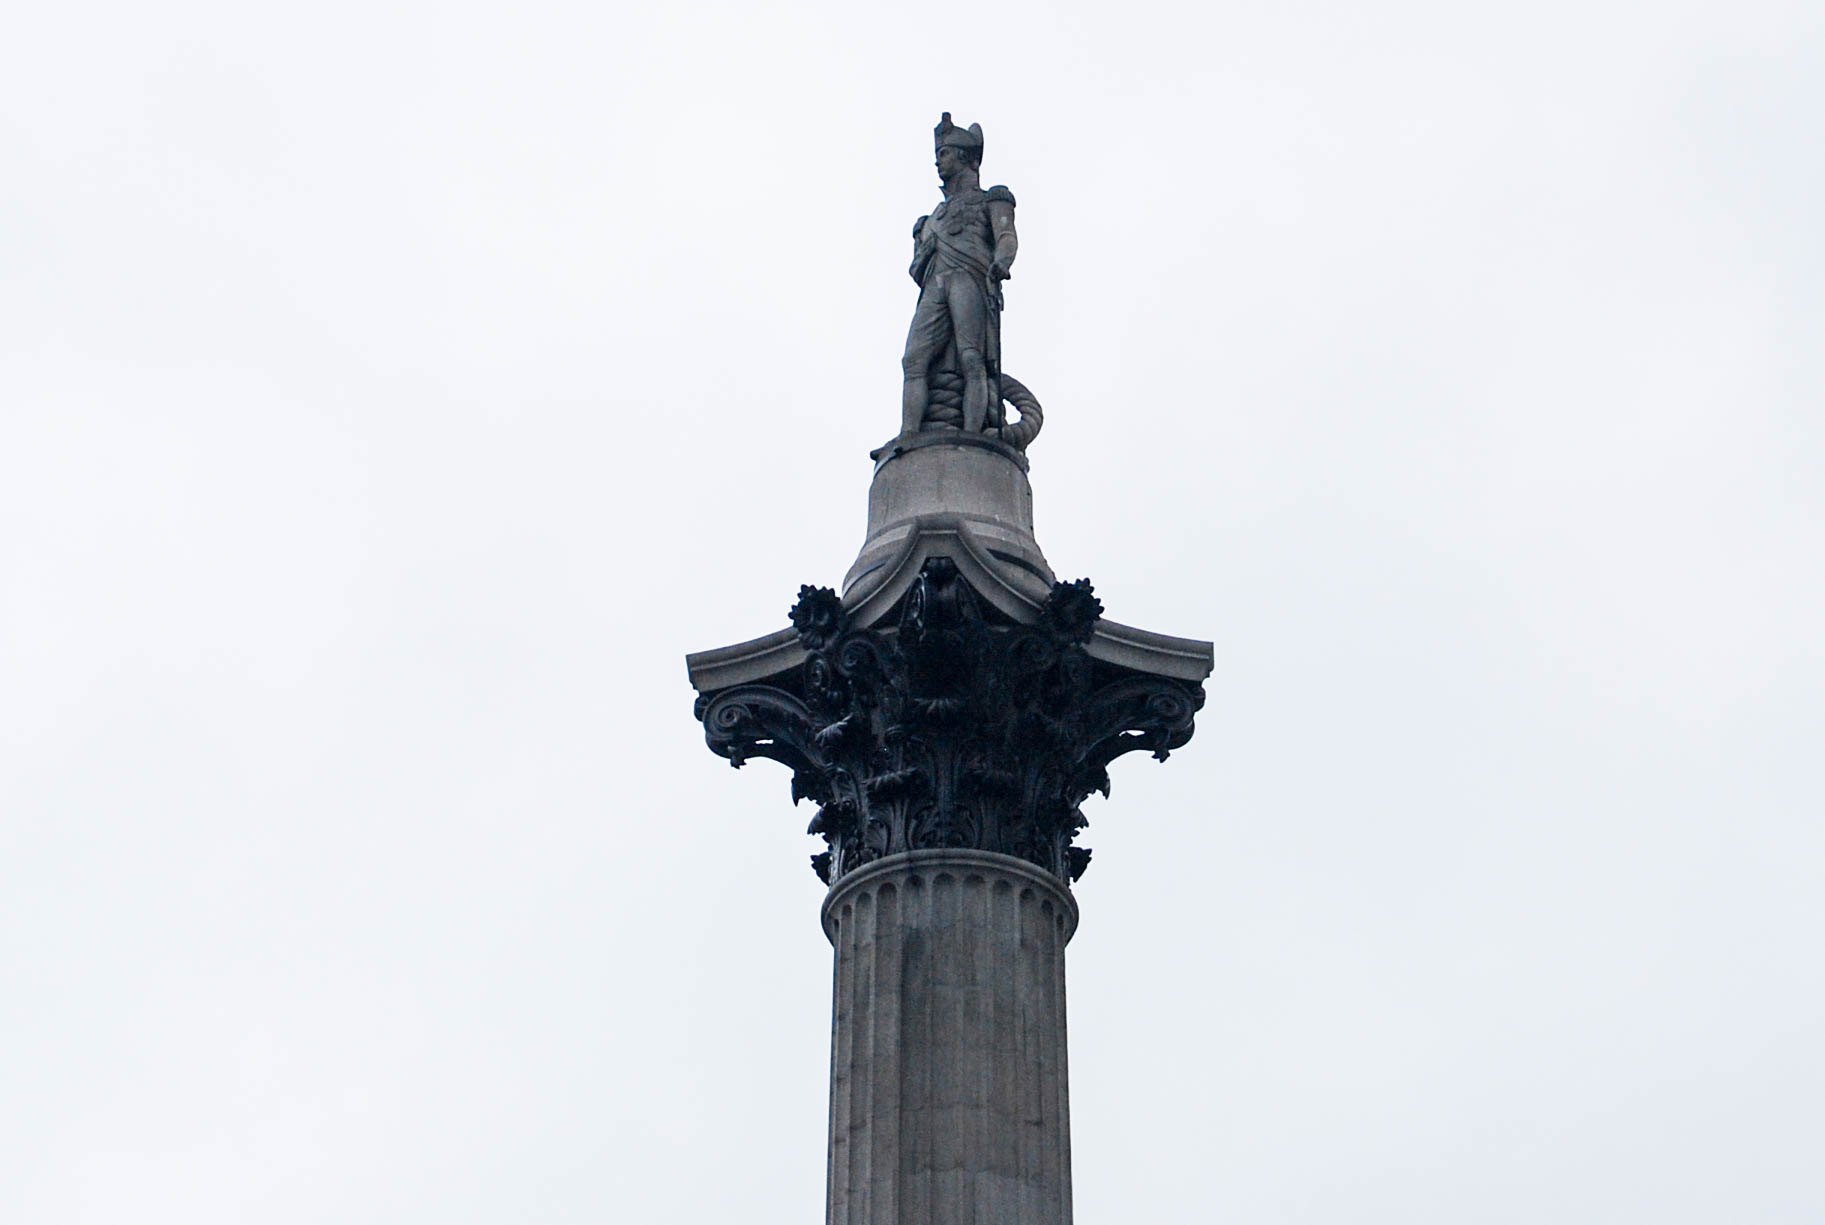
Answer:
(947, 714)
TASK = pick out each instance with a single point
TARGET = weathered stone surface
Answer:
(949, 1095)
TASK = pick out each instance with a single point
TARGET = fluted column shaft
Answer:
(948, 1089)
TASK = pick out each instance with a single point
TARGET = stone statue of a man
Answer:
(962, 252)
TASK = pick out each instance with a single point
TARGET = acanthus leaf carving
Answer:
(950, 727)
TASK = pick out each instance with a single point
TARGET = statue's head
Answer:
(961, 146)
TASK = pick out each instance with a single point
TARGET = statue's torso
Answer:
(960, 233)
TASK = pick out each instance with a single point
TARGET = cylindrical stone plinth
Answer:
(948, 1096)
(951, 477)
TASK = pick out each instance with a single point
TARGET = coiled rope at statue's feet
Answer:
(1025, 430)
(946, 407)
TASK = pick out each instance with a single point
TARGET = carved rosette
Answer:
(955, 727)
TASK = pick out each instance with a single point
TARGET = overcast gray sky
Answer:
(391, 394)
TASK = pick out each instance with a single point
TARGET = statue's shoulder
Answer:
(999, 195)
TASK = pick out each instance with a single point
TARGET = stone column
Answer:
(948, 1096)
(947, 715)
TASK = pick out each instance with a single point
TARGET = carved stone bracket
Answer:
(955, 727)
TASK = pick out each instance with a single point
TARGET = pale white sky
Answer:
(390, 396)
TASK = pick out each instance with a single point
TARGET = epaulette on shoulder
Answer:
(1000, 193)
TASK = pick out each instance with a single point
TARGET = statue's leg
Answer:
(930, 329)
(969, 316)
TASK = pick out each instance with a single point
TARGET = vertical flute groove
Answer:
(888, 1052)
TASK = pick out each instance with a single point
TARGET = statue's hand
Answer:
(999, 271)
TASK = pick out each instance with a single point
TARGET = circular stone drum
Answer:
(947, 479)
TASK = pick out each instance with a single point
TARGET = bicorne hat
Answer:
(967, 139)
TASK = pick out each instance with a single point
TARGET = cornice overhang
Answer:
(1009, 587)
